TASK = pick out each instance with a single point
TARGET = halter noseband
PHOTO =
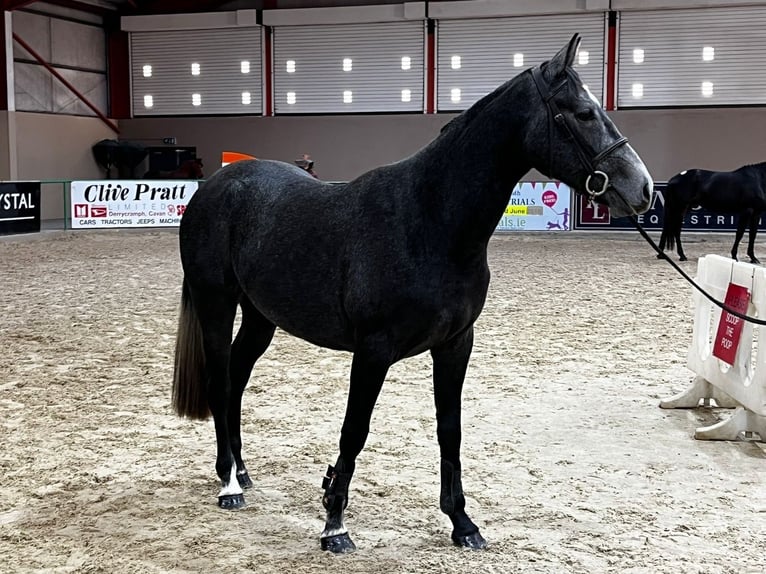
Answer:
(580, 146)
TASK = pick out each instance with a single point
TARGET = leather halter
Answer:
(580, 145)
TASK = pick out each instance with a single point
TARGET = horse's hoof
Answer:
(338, 544)
(473, 541)
(660, 256)
(231, 501)
(682, 258)
(755, 261)
(244, 480)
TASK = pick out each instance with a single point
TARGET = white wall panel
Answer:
(220, 83)
(375, 78)
(489, 49)
(666, 56)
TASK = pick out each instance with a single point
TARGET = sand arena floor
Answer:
(569, 464)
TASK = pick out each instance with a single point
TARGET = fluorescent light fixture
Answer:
(406, 95)
(291, 98)
(196, 100)
(195, 69)
(290, 66)
(518, 60)
(147, 71)
(406, 62)
(246, 98)
(583, 57)
(244, 67)
(707, 89)
(348, 97)
(455, 95)
(708, 53)
(148, 101)
(638, 55)
(637, 90)
(456, 62)
(347, 64)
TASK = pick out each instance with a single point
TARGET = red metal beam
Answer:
(611, 62)
(118, 75)
(268, 66)
(64, 81)
(9, 5)
(431, 67)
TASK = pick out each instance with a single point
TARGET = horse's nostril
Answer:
(648, 190)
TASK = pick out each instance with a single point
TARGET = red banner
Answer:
(729, 326)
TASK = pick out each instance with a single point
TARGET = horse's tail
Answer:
(189, 381)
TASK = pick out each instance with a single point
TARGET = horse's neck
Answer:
(474, 165)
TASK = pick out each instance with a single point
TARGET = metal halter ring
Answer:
(603, 187)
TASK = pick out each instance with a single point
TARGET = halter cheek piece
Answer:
(580, 145)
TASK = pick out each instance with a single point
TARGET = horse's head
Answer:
(573, 140)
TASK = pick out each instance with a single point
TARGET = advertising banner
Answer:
(589, 215)
(537, 206)
(130, 203)
(19, 207)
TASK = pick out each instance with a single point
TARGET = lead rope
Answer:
(664, 256)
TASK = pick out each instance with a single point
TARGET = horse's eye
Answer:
(585, 115)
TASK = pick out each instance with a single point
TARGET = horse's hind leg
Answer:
(663, 239)
(368, 371)
(450, 364)
(755, 219)
(744, 219)
(252, 340)
(216, 310)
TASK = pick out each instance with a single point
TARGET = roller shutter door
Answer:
(349, 68)
(201, 72)
(476, 56)
(703, 57)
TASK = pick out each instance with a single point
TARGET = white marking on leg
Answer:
(232, 486)
(334, 532)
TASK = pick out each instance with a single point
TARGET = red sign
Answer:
(729, 326)
(98, 211)
(592, 213)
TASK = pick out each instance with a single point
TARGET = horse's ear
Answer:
(564, 58)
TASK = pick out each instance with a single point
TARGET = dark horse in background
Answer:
(189, 169)
(393, 264)
(741, 192)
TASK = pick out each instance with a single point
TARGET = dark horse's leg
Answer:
(368, 371)
(227, 369)
(663, 239)
(254, 336)
(755, 219)
(744, 219)
(450, 364)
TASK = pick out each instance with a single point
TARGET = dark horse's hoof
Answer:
(473, 541)
(338, 544)
(682, 258)
(231, 501)
(244, 480)
(755, 261)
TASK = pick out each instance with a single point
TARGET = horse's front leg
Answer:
(755, 219)
(450, 364)
(744, 219)
(368, 371)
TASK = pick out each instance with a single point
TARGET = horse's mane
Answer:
(466, 116)
(759, 165)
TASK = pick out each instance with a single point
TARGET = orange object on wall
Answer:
(228, 157)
